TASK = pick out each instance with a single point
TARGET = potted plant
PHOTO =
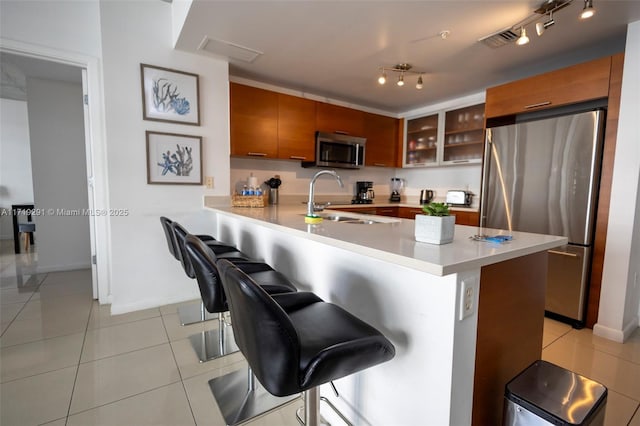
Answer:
(436, 226)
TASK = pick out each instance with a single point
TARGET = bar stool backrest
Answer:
(263, 331)
(181, 235)
(203, 260)
(170, 236)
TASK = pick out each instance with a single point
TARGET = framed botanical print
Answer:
(170, 95)
(174, 159)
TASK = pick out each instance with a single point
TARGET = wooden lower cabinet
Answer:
(463, 217)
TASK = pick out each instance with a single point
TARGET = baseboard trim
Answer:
(614, 334)
(60, 268)
(117, 309)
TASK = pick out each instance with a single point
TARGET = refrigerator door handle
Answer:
(562, 253)
(485, 178)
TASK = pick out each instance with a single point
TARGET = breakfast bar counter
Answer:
(464, 317)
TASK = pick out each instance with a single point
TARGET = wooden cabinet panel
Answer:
(333, 118)
(464, 217)
(388, 211)
(578, 83)
(254, 121)
(382, 140)
(296, 128)
(409, 212)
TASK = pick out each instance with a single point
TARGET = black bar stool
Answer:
(295, 342)
(203, 261)
(175, 234)
(238, 398)
(194, 313)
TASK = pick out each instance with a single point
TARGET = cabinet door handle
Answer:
(379, 164)
(541, 104)
(257, 154)
(562, 253)
(460, 161)
(297, 157)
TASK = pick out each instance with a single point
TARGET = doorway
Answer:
(60, 162)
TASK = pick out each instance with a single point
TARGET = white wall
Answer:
(69, 25)
(16, 185)
(143, 273)
(619, 302)
(58, 162)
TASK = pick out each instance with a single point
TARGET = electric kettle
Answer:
(426, 195)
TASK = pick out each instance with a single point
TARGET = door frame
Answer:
(95, 143)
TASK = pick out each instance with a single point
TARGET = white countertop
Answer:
(393, 239)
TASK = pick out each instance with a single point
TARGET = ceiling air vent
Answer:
(499, 39)
(228, 49)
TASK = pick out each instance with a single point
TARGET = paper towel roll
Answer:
(252, 182)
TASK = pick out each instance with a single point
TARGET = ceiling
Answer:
(334, 49)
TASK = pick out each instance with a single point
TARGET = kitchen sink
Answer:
(353, 219)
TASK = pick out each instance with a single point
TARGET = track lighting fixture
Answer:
(588, 10)
(518, 31)
(542, 26)
(383, 78)
(523, 39)
(401, 69)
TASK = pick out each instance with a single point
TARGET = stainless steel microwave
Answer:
(338, 151)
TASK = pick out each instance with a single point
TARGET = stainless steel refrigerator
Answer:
(542, 176)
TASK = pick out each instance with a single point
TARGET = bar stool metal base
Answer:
(240, 397)
(212, 344)
(192, 314)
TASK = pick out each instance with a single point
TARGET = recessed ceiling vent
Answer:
(499, 39)
(229, 50)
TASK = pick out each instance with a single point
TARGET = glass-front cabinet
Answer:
(463, 135)
(422, 141)
(447, 137)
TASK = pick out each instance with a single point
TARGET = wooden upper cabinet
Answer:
(337, 119)
(296, 128)
(578, 83)
(254, 121)
(382, 135)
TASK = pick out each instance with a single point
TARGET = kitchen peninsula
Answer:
(464, 317)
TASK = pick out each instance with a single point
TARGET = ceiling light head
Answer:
(383, 78)
(419, 83)
(401, 80)
(588, 11)
(523, 39)
(444, 34)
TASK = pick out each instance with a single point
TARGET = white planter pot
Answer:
(434, 229)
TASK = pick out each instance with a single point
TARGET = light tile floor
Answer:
(64, 360)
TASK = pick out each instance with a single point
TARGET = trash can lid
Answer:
(547, 389)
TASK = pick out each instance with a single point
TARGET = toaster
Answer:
(459, 198)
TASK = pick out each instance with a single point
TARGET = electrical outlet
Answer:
(209, 182)
(467, 297)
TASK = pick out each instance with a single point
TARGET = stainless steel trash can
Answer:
(545, 394)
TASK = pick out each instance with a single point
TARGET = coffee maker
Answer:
(364, 193)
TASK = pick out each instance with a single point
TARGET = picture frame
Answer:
(170, 95)
(174, 159)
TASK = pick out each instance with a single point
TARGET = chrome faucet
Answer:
(310, 203)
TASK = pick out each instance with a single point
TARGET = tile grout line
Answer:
(184, 388)
(75, 379)
(24, 305)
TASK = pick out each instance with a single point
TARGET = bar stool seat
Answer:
(296, 342)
